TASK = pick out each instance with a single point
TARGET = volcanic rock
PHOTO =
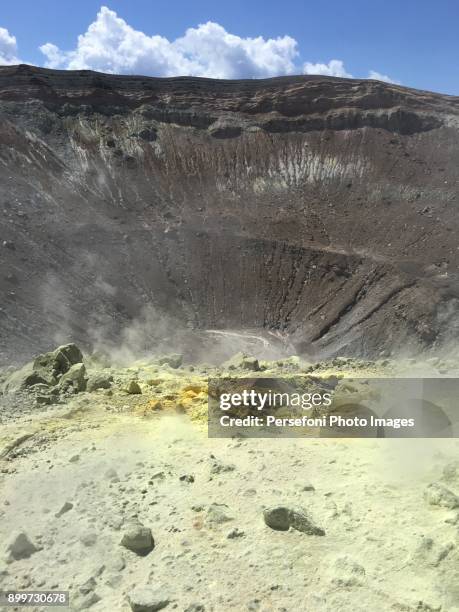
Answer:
(281, 518)
(20, 547)
(147, 599)
(138, 538)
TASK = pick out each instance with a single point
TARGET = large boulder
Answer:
(46, 369)
(51, 366)
(23, 379)
(74, 379)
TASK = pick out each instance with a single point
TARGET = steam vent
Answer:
(322, 209)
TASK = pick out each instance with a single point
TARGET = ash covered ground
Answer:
(112, 490)
(309, 222)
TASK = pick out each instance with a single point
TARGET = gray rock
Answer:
(235, 533)
(22, 379)
(70, 352)
(138, 538)
(174, 361)
(187, 478)
(302, 521)
(195, 608)
(281, 518)
(438, 495)
(51, 366)
(65, 508)
(74, 379)
(277, 518)
(133, 388)
(218, 514)
(218, 467)
(99, 381)
(20, 547)
(116, 563)
(147, 599)
(241, 361)
(88, 586)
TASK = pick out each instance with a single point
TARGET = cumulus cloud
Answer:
(333, 68)
(336, 68)
(8, 48)
(112, 45)
(373, 74)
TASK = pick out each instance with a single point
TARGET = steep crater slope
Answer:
(321, 209)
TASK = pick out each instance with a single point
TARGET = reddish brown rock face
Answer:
(322, 208)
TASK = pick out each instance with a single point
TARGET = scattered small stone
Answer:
(65, 508)
(20, 547)
(302, 521)
(281, 518)
(218, 467)
(218, 514)
(438, 495)
(345, 572)
(277, 518)
(235, 533)
(133, 388)
(432, 553)
(138, 538)
(116, 563)
(88, 586)
(147, 599)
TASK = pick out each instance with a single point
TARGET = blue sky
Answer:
(413, 42)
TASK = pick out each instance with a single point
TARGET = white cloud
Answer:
(373, 74)
(112, 45)
(336, 68)
(8, 48)
(333, 68)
